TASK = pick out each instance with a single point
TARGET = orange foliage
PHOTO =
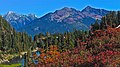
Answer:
(42, 55)
(80, 55)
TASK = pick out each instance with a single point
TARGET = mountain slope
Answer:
(19, 20)
(94, 13)
(64, 20)
(10, 40)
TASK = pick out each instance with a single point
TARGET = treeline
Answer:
(110, 20)
(12, 41)
(68, 40)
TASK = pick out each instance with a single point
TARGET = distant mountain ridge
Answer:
(61, 20)
(19, 20)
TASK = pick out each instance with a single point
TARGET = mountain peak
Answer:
(88, 7)
(10, 12)
(94, 13)
(66, 8)
(32, 15)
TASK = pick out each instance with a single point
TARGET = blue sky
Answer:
(41, 7)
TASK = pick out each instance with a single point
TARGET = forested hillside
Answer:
(12, 41)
